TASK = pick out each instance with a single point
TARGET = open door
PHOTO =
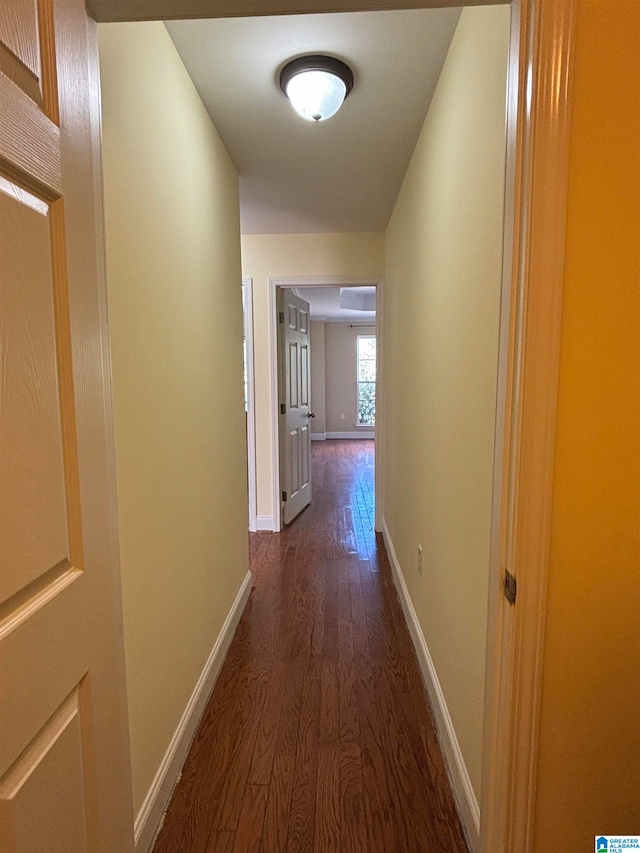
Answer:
(295, 430)
(65, 784)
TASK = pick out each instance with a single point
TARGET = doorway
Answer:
(353, 320)
(525, 273)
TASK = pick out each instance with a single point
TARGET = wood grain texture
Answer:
(19, 33)
(29, 143)
(318, 736)
(60, 628)
(32, 504)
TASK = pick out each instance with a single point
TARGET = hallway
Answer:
(317, 736)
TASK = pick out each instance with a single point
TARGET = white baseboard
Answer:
(361, 433)
(466, 799)
(318, 436)
(147, 822)
(265, 522)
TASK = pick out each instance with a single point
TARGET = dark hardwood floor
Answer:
(318, 736)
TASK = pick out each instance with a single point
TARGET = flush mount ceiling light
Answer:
(316, 85)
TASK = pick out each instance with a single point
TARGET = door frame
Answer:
(539, 94)
(322, 281)
(247, 322)
(539, 106)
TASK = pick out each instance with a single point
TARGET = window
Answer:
(366, 352)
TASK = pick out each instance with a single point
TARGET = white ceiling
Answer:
(343, 174)
(324, 304)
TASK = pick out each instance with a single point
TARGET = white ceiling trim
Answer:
(363, 301)
(325, 308)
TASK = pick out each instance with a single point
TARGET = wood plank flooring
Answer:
(318, 737)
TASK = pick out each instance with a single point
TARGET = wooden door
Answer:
(64, 775)
(295, 429)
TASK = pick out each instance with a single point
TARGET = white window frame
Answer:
(375, 381)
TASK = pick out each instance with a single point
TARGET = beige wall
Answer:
(316, 332)
(589, 763)
(290, 255)
(175, 315)
(341, 375)
(444, 246)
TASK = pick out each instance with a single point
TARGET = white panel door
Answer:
(64, 774)
(295, 428)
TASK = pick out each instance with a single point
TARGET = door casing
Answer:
(539, 96)
(247, 320)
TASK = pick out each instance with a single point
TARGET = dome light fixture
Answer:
(316, 85)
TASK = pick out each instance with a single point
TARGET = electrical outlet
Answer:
(419, 559)
(341, 416)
